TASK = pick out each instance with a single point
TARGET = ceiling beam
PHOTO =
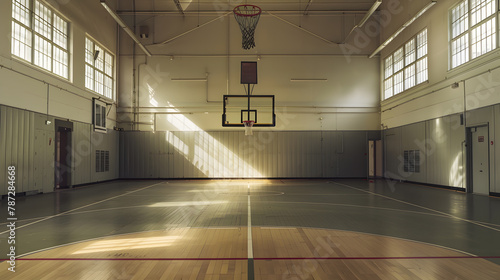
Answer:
(403, 27)
(306, 10)
(281, 12)
(125, 27)
(179, 7)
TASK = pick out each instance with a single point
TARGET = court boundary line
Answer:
(81, 207)
(419, 206)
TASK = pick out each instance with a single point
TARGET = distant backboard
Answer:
(239, 108)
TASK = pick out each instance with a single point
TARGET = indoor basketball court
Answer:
(199, 139)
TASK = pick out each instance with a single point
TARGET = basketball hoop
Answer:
(248, 127)
(247, 17)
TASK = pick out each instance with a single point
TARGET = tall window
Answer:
(473, 30)
(40, 36)
(99, 69)
(407, 66)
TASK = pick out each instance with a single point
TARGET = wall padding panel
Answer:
(231, 154)
(17, 147)
(27, 143)
(441, 145)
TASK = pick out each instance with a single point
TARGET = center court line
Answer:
(250, 241)
(419, 206)
(81, 207)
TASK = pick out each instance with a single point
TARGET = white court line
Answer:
(250, 243)
(81, 207)
(360, 206)
(423, 207)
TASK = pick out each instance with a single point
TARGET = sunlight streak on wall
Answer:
(208, 158)
(456, 178)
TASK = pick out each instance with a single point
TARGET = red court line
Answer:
(257, 259)
(130, 259)
(382, 258)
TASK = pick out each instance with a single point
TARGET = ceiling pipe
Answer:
(125, 27)
(403, 27)
(369, 13)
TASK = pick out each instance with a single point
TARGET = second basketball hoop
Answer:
(247, 17)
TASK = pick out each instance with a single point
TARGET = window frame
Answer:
(467, 33)
(31, 27)
(104, 53)
(398, 80)
(99, 115)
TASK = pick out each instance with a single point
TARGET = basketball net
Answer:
(247, 17)
(248, 127)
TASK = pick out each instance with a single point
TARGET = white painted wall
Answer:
(436, 98)
(348, 100)
(436, 101)
(231, 154)
(25, 85)
(26, 91)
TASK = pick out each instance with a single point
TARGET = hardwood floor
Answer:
(221, 253)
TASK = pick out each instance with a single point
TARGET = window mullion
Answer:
(469, 24)
(32, 28)
(52, 42)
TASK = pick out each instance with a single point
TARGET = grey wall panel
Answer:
(19, 146)
(495, 171)
(85, 144)
(44, 153)
(3, 150)
(329, 160)
(231, 154)
(17, 129)
(437, 151)
(442, 151)
(413, 137)
(457, 160)
(82, 153)
(393, 154)
(27, 142)
(352, 161)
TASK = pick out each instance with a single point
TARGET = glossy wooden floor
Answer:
(280, 253)
(300, 229)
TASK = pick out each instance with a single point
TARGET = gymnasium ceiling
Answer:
(195, 6)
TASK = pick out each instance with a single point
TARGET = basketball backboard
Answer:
(239, 108)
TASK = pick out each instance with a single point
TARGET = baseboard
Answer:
(243, 178)
(429, 185)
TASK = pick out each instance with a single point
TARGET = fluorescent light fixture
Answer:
(406, 24)
(308, 80)
(189, 79)
(370, 12)
(125, 27)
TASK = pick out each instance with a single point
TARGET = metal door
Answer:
(480, 160)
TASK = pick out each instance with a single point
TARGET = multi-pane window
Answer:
(473, 30)
(40, 36)
(407, 66)
(99, 116)
(99, 69)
